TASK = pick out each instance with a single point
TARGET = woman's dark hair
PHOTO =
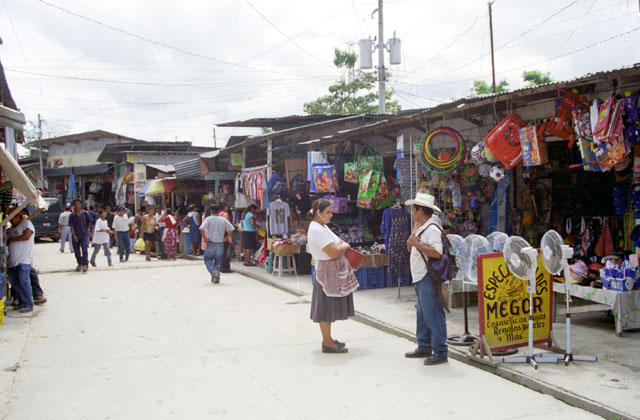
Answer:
(192, 207)
(428, 211)
(100, 211)
(251, 208)
(319, 205)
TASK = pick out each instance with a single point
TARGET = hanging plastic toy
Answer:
(444, 162)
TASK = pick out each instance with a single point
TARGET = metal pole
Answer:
(493, 66)
(381, 73)
(40, 152)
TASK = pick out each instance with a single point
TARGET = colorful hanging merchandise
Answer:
(504, 141)
(444, 162)
(351, 172)
(324, 179)
(369, 160)
(396, 226)
(604, 246)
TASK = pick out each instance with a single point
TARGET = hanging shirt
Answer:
(279, 213)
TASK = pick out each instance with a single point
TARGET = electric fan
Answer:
(555, 257)
(522, 261)
(497, 240)
(459, 248)
(474, 245)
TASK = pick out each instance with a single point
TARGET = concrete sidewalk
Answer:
(609, 388)
(165, 343)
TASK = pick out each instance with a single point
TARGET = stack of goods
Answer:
(619, 275)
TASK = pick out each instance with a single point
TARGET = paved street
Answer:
(163, 342)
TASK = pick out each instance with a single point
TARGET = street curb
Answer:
(558, 393)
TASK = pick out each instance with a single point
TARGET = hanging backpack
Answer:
(277, 184)
(298, 185)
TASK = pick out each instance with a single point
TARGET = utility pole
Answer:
(40, 152)
(215, 146)
(493, 66)
(381, 73)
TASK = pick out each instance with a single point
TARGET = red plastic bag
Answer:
(504, 140)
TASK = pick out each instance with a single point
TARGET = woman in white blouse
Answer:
(334, 281)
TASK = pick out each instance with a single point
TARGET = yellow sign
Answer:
(503, 304)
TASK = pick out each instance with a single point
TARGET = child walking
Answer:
(101, 237)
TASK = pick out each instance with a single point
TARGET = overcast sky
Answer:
(165, 70)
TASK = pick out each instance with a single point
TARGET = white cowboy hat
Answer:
(425, 200)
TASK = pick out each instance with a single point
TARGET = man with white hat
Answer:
(426, 242)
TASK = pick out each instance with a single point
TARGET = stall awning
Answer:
(191, 168)
(158, 186)
(162, 168)
(101, 168)
(20, 181)
(54, 172)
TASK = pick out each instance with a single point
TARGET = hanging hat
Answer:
(424, 200)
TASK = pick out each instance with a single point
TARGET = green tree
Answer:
(536, 77)
(480, 87)
(353, 94)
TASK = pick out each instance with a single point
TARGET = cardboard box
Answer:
(375, 260)
(287, 249)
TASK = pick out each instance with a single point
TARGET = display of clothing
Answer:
(407, 178)
(279, 213)
(396, 226)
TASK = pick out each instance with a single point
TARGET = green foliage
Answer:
(536, 77)
(353, 94)
(480, 87)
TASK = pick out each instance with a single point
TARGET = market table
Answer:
(625, 306)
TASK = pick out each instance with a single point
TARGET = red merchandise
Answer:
(504, 140)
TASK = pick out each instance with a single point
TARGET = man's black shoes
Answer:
(418, 354)
(435, 360)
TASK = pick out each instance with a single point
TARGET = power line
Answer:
(285, 35)
(15, 33)
(355, 11)
(572, 32)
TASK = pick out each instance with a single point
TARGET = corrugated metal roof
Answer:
(191, 168)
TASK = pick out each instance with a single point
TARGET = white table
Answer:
(625, 306)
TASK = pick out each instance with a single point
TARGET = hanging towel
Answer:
(605, 246)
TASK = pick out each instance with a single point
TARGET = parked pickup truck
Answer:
(46, 222)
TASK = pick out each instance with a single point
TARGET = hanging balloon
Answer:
(444, 162)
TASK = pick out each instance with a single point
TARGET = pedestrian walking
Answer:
(149, 228)
(121, 226)
(249, 234)
(64, 230)
(214, 228)
(159, 233)
(228, 241)
(170, 234)
(21, 238)
(335, 282)
(426, 242)
(80, 225)
(101, 237)
(192, 221)
(110, 216)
